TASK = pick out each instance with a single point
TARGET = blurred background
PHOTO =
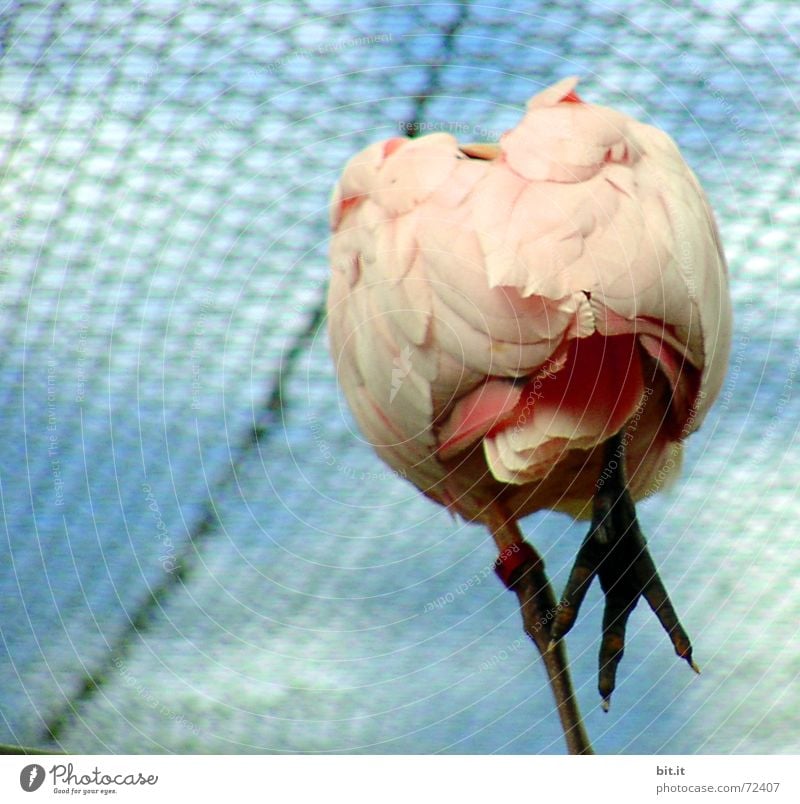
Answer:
(198, 552)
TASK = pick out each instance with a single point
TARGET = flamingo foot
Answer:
(615, 550)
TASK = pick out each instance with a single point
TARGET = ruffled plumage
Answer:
(498, 311)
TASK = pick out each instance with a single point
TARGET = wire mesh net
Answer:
(200, 553)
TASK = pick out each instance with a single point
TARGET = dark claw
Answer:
(593, 552)
(622, 596)
(616, 551)
(580, 579)
(656, 595)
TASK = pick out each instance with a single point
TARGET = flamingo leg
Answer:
(522, 569)
(615, 550)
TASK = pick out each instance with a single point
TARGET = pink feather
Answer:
(498, 312)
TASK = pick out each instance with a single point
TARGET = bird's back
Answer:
(498, 312)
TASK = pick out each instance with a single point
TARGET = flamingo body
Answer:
(498, 312)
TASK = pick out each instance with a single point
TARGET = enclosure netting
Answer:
(198, 552)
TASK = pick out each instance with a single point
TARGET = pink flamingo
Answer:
(535, 324)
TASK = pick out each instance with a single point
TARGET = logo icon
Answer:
(31, 778)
